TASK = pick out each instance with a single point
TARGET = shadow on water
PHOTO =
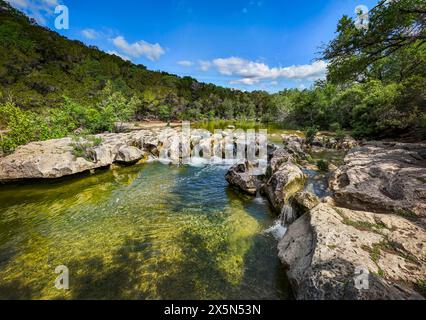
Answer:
(150, 232)
(263, 276)
(96, 279)
(16, 290)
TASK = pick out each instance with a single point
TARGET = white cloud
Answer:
(115, 53)
(205, 65)
(246, 81)
(37, 9)
(251, 72)
(138, 49)
(90, 34)
(185, 63)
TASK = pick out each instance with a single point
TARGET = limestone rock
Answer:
(294, 145)
(284, 182)
(384, 178)
(240, 176)
(56, 158)
(128, 154)
(323, 249)
(329, 142)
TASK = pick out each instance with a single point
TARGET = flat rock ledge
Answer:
(373, 229)
(328, 248)
(58, 158)
(383, 177)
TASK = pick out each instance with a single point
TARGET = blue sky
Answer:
(244, 44)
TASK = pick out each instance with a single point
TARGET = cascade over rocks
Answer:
(375, 220)
(329, 245)
(63, 157)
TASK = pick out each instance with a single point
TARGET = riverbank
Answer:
(366, 240)
(364, 216)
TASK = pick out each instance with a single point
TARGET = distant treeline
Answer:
(376, 84)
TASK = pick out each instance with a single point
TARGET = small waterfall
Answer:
(278, 230)
(287, 217)
(259, 199)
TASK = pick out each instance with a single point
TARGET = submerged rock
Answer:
(383, 177)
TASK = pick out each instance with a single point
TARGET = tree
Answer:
(393, 26)
(115, 108)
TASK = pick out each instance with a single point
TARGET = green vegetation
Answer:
(420, 287)
(323, 165)
(376, 227)
(310, 134)
(376, 84)
(374, 251)
(364, 226)
(422, 180)
(84, 148)
(72, 118)
(405, 213)
(390, 247)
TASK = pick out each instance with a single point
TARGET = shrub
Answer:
(311, 133)
(85, 148)
(323, 165)
(22, 127)
(335, 127)
(340, 135)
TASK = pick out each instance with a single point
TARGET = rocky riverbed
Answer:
(362, 239)
(365, 241)
(69, 156)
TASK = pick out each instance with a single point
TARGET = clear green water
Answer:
(143, 232)
(274, 130)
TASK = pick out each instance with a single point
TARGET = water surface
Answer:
(142, 232)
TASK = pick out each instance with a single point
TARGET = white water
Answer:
(287, 215)
(277, 230)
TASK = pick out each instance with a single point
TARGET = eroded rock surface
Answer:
(323, 249)
(241, 177)
(286, 180)
(330, 142)
(64, 157)
(383, 177)
(58, 158)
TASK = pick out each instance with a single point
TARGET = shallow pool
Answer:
(142, 232)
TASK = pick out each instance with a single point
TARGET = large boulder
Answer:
(383, 177)
(37, 160)
(328, 141)
(241, 177)
(63, 157)
(294, 144)
(128, 154)
(284, 182)
(329, 251)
